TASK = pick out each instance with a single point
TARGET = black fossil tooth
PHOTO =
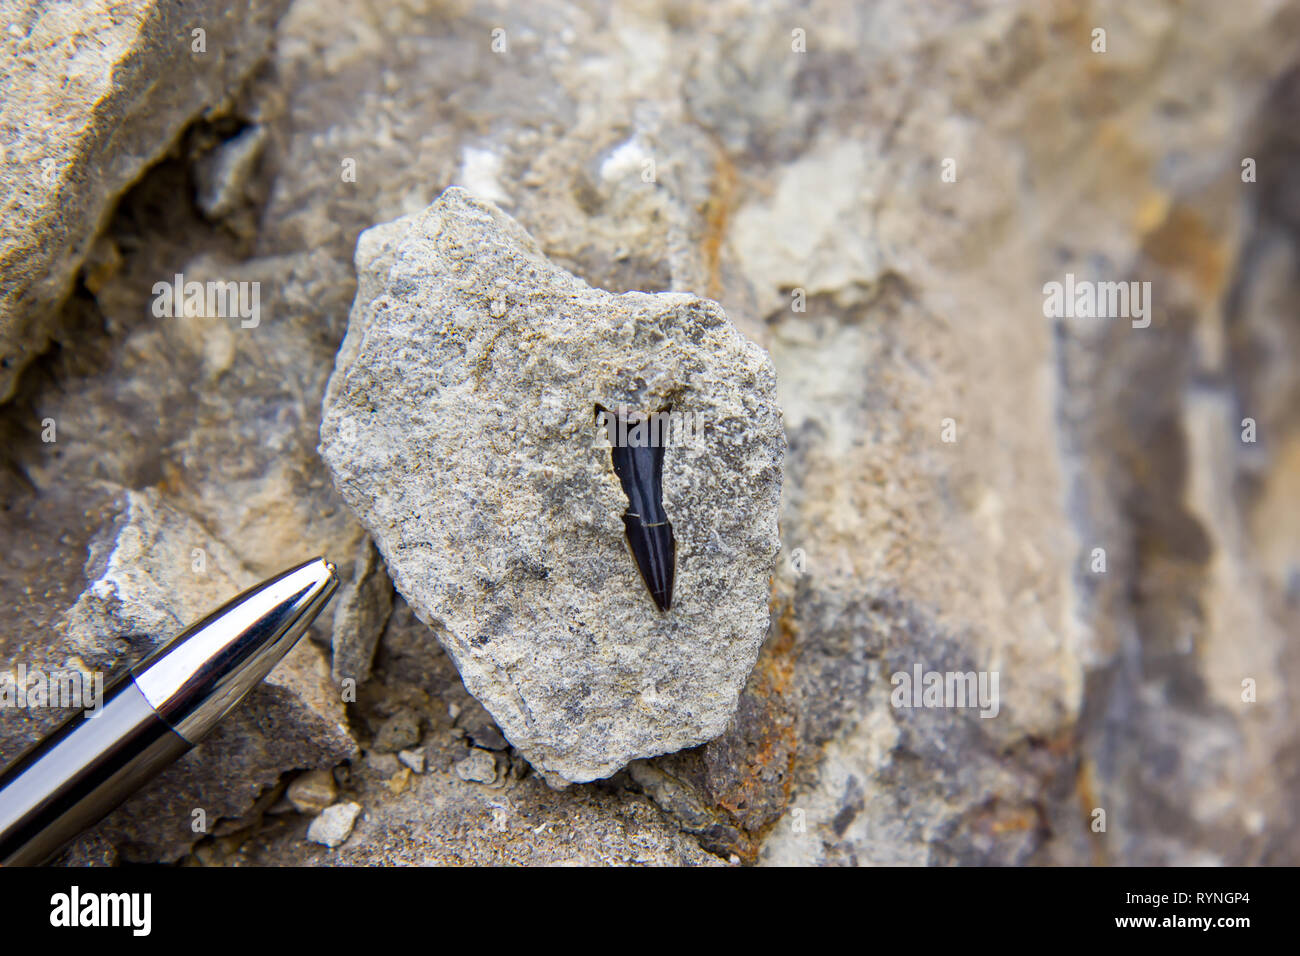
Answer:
(638, 457)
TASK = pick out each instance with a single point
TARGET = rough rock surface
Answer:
(437, 817)
(691, 147)
(334, 824)
(152, 571)
(94, 93)
(460, 428)
(312, 791)
(361, 610)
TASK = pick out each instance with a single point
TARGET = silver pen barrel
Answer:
(194, 680)
(86, 767)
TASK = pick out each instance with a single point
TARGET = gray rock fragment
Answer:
(479, 767)
(312, 791)
(361, 610)
(398, 732)
(459, 427)
(222, 176)
(488, 737)
(334, 825)
(415, 759)
(384, 764)
(682, 802)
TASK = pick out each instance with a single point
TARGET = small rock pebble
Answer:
(334, 825)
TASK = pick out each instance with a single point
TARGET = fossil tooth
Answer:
(637, 451)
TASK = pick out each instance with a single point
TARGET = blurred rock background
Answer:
(787, 159)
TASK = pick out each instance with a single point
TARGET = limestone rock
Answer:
(459, 427)
(94, 93)
(334, 825)
(479, 767)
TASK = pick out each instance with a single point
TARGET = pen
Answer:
(159, 709)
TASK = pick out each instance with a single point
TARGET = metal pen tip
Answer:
(196, 678)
